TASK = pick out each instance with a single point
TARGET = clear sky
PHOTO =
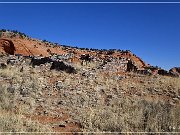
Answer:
(151, 31)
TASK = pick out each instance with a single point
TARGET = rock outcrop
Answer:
(175, 71)
(18, 43)
(13, 42)
(7, 46)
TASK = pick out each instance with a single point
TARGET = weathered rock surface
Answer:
(175, 71)
(7, 46)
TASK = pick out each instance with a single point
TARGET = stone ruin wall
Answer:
(116, 65)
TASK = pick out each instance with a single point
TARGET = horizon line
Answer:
(45, 2)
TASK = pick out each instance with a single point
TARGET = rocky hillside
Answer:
(51, 88)
(13, 42)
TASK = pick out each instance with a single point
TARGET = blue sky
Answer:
(151, 31)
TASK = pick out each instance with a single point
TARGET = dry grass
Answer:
(18, 84)
(6, 99)
(100, 101)
(169, 83)
(11, 118)
(130, 113)
(10, 122)
(131, 116)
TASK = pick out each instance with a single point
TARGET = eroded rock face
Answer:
(175, 71)
(7, 46)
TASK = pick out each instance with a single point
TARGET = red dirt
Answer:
(54, 120)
